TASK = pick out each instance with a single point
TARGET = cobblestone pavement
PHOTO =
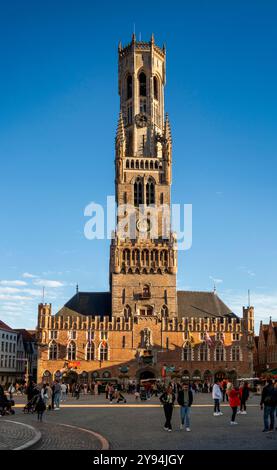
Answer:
(14, 435)
(141, 427)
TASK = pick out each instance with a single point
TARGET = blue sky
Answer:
(58, 115)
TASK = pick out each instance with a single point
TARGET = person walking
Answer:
(217, 397)
(57, 395)
(11, 390)
(119, 397)
(77, 391)
(111, 393)
(167, 399)
(49, 397)
(40, 406)
(268, 406)
(185, 400)
(63, 391)
(234, 402)
(244, 395)
(224, 390)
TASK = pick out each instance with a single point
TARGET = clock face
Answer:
(143, 225)
(141, 120)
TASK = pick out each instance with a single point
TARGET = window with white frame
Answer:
(103, 352)
(235, 353)
(53, 351)
(203, 352)
(219, 354)
(90, 352)
(103, 335)
(187, 353)
(90, 335)
(71, 351)
(72, 334)
(53, 334)
(235, 336)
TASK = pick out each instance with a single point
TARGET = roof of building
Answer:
(91, 303)
(5, 327)
(26, 335)
(190, 304)
(202, 304)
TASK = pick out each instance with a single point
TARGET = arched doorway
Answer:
(70, 378)
(146, 374)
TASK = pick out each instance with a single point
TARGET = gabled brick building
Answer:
(265, 357)
(143, 325)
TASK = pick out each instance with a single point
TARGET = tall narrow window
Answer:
(129, 87)
(71, 351)
(53, 351)
(103, 351)
(90, 352)
(156, 88)
(142, 84)
(138, 193)
(150, 192)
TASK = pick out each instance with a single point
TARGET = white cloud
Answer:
(48, 283)
(13, 283)
(265, 305)
(29, 275)
(13, 297)
(215, 280)
(9, 290)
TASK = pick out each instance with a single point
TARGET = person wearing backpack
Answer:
(268, 406)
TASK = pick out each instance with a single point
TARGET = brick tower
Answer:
(143, 254)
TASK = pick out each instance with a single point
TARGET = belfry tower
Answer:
(143, 255)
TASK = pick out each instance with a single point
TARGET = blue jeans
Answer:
(185, 415)
(269, 413)
(57, 398)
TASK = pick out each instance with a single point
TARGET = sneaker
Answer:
(265, 430)
(57, 409)
(239, 412)
(216, 414)
(169, 430)
(243, 413)
(233, 422)
(188, 429)
(166, 429)
(220, 413)
(181, 426)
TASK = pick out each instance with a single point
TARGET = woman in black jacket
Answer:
(168, 399)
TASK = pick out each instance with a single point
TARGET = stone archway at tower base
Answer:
(146, 373)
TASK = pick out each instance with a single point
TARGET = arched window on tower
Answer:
(138, 192)
(127, 312)
(150, 192)
(164, 311)
(156, 88)
(142, 84)
(129, 87)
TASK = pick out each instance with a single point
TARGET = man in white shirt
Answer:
(217, 397)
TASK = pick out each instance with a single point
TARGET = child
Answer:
(40, 407)
(234, 401)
